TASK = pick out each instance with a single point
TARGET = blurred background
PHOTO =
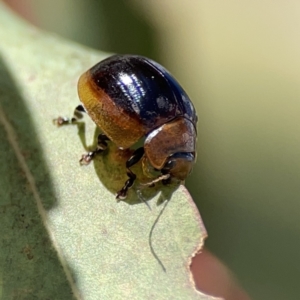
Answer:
(239, 62)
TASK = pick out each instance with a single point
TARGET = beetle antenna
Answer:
(140, 196)
(150, 237)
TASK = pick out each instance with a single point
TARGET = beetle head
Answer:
(171, 149)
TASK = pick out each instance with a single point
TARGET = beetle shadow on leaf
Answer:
(111, 171)
(110, 167)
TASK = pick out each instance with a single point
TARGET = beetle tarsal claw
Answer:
(158, 179)
(86, 158)
(121, 195)
(60, 121)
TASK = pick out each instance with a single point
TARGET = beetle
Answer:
(130, 97)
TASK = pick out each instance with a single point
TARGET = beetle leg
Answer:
(101, 146)
(136, 156)
(164, 178)
(76, 116)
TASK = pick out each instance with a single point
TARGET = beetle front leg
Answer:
(164, 178)
(136, 156)
(101, 146)
(76, 116)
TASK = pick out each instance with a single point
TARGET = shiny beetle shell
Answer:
(130, 97)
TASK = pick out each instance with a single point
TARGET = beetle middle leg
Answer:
(136, 156)
(101, 146)
(76, 116)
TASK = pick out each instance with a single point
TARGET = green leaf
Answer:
(63, 235)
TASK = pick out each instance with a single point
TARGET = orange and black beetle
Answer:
(130, 97)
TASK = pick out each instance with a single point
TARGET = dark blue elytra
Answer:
(143, 89)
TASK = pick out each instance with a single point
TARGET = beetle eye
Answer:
(170, 164)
